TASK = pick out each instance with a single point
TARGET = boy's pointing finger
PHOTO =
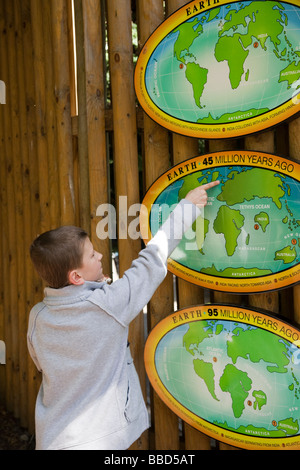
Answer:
(199, 195)
(210, 185)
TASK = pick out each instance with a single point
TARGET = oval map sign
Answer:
(248, 239)
(222, 68)
(231, 372)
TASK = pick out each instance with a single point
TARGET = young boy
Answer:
(90, 397)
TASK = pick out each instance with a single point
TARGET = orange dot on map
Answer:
(255, 45)
(274, 423)
(294, 241)
(181, 66)
(215, 359)
(256, 226)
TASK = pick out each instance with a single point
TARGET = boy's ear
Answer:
(75, 278)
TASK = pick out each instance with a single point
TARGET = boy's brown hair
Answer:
(57, 252)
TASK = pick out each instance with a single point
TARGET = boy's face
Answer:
(91, 269)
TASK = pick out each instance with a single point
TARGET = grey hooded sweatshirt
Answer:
(90, 397)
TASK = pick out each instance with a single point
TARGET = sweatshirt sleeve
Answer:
(126, 297)
(30, 332)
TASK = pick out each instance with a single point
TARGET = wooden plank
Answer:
(36, 31)
(83, 151)
(5, 371)
(3, 269)
(9, 222)
(33, 378)
(72, 57)
(24, 217)
(63, 110)
(94, 91)
(125, 156)
(15, 207)
(40, 107)
(53, 152)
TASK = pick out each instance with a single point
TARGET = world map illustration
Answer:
(250, 228)
(228, 64)
(235, 375)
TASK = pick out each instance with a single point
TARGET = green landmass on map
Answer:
(289, 426)
(190, 182)
(260, 399)
(187, 35)
(232, 117)
(197, 76)
(291, 73)
(196, 333)
(287, 254)
(206, 372)
(274, 351)
(250, 184)
(263, 220)
(237, 383)
(230, 48)
(229, 223)
(260, 431)
(257, 27)
(235, 272)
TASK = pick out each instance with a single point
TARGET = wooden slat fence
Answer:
(73, 137)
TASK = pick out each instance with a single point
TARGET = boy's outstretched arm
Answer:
(130, 294)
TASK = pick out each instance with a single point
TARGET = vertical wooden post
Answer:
(40, 107)
(32, 169)
(50, 119)
(5, 374)
(10, 263)
(24, 222)
(74, 105)
(157, 160)
(83, 157)
(63, 110)
(72, 57)
(3, 251)
(14, 193)
(91, 103)
(125, 154)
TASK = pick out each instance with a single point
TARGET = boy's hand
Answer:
(198, 196)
